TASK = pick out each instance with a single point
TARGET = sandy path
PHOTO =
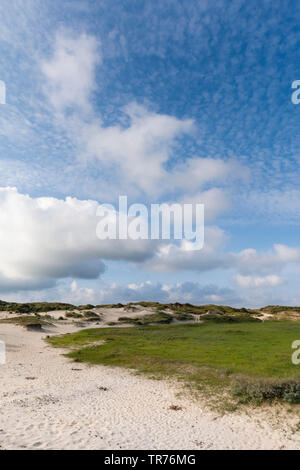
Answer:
(62, 408)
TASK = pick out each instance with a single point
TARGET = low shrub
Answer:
(267, 390)
(73, 315)
(229, 319)
(27, 321)
(182, 316)
(34, 307)
(90, 314)
(110, 306)
(86, 307)
(159, 317)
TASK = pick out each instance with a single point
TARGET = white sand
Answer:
(64, 408)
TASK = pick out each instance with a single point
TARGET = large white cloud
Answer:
(44, 239)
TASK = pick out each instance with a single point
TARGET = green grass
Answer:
(27, 321)
(159, 317)
(74, 315)
(90, 314)
(211, 353)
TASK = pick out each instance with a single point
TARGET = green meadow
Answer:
(252, 359)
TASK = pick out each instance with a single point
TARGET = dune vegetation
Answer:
(252, 360)
(30, 321)
(34, 307)
(243, 351)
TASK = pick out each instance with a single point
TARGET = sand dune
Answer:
(48, 402)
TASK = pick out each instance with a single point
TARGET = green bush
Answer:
(229, 318)
(86, 307)
(267, 390)
(73, 315)
(90, 314)
(183, 316)
(273, 309)
(27, 321)
(159, 317)
(110, 306)
(34, 307)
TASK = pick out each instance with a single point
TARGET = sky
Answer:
(172, 101)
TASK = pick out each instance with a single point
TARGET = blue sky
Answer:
(162, 101)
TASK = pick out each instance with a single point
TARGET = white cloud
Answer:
(135, 152)
(171, 257)
(45, 239)
(81, 295)
(251, 261)
(137, 155)
(253, 282)
(70, 72)
(184, 292)
(196, 172)
(216, 201)
(248, 262)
